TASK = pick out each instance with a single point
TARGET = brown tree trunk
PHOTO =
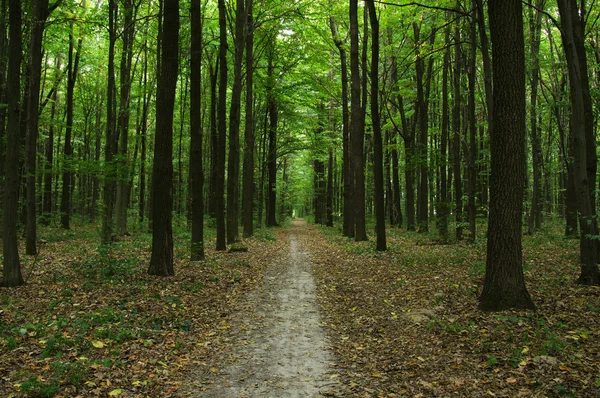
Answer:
(161, 260)
(472, 152)
(376, 121)
(40, 13)
(65, 201)
(249, 141)
(444, 200)
(222, 131)
(12, 266)
(110, 150)
(273, 113)
(233, 160)
(196, 169)
(357, 128)
(590, 274)
(504, 284)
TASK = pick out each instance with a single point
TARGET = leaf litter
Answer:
(400, 323)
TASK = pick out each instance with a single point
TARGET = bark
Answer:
(472, 153)
(40, 13)
(233, 161)
(222, 131)
(111, 143)
(347, 165)
(161, 260)
(504, 284)
(122, 194)
(357, 131)
(12, 266)
(444, 200)
(196, 136)
(590, 274)
(456, 160)
(273, 115)
(67, 177)
(376, 121)
(535, 26)
(249, 141)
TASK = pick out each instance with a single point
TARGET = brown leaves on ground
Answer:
(405, 322)
(91, 322)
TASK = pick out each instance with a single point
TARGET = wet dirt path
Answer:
(279, 347)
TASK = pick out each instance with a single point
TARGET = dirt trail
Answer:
(278, 344)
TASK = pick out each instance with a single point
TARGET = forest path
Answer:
(278, 344)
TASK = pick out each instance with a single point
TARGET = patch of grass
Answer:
(265, 235)
(477, 269)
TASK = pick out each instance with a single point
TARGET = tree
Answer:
(233, 161)
(219, 161)
(12, 265)
(357, 128)
(504, 284)
(196, 168)
(161, 261)
(248, 171)
(40, 14)
(376, 121)
(584, 183)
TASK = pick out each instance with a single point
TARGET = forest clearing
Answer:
(402, 322)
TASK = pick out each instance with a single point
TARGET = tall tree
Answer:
(376, 121)
(357, 128)
(40, 13)
(456, 136)
(126, 78)
(249, 141)
(233, 161)
(67, 176)
(504, 284)
(347, 167)
(161, 261)
(584, 183)
(219, 162)
(12, 265)
(273, 115)
(110, 148)
(196, 167)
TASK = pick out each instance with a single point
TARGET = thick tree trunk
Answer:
(273, 114)
(196, 170)
(590, 274)
(504, 285)
(444, 199)
(12, 266)
(161, 260)
(472, 153)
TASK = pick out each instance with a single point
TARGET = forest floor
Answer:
(304, 311)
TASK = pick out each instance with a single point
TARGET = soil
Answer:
(277, 344)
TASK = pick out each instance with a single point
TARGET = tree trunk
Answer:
(472, 153)
(347, 165)
(444, 200)
(376, 121)
(590, 274)
(272, 150)
(222, 131)
(196, 136)
(161, 260)
(233, 161)
(456, 127)
(122, 194)
(535, 27)
(249, 141)
(504, 284)
(67, 177)
(40, 13)
(357, 128)
(12, 265)
(111, 143)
